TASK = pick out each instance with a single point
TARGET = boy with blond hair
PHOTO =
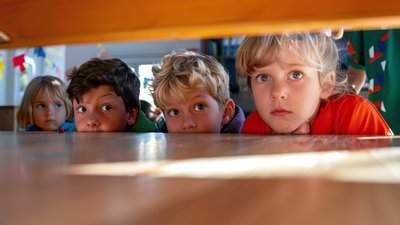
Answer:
(192, 90)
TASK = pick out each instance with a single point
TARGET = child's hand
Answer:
(303, 129)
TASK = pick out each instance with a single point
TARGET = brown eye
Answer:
(173, 112)
(81, 109)
(106, 107)
(199, 107)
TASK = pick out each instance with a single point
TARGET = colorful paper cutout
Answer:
(103, 54)
(39, 52)
(19, 61)
(1, 69)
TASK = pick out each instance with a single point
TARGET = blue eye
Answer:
(262, 78)
(173, 112)
(106, 107)
(81, 109)
(200, 107)
(295, 75)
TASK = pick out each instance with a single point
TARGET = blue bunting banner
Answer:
(39, 52)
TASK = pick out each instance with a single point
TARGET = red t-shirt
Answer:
(349, 114)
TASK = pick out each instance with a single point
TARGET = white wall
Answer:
(66, 57)
(132, 53)
(8, 84)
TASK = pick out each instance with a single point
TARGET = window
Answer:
(146, 79)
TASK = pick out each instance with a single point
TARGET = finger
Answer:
(302, 129)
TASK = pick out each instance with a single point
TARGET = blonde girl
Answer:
(297, 88)
(45, 106)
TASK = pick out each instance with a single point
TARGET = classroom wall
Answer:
(66, 57)
(133, 53)
(8, 83)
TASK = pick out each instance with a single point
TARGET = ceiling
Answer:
(30, 23)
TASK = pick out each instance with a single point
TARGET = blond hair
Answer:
(54, 87)
(315, 49)
(180, 73)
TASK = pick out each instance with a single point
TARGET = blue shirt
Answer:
(66, 126)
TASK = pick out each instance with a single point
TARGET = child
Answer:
(297, 91)
(192, 90)
(152, 113)
(105, 96)
(45, 106)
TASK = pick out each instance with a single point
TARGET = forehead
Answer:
(46, 94)
(195, 95)
(291, 54)
(100, 93)
(287, 59)
(282, 51)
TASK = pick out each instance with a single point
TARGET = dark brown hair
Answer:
(110, 72)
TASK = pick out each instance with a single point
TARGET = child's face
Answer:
(48, 114)
(100, 109)
(286, 94)
(199, 113)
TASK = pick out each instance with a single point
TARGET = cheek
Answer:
(172, 124)
(212, 122)
(260, 97)
(79, 119)
(115, 121)
(309, 106)
(253, 86)
(63, 113)
(37, 114)
(313, 104)
(259, 88)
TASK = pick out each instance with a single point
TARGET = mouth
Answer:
(280, 112)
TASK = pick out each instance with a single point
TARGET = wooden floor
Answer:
(155, 178)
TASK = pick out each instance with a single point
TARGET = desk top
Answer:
(156, 178)
(43, 23)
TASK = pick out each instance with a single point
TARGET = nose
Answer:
(188, 122)
(92, 121)
(50, 110)
(278, 91)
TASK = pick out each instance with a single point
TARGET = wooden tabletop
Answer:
(155, 178)
(43, 23)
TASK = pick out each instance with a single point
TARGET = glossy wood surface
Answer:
(47, 22)
(34, 188)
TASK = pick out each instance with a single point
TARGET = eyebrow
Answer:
(43, 101)
(285, 66)
(90, 99)
(201, 96)
(109, 94)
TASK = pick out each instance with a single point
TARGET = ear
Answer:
(229, 111)
(328, 85)
(132, 114)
